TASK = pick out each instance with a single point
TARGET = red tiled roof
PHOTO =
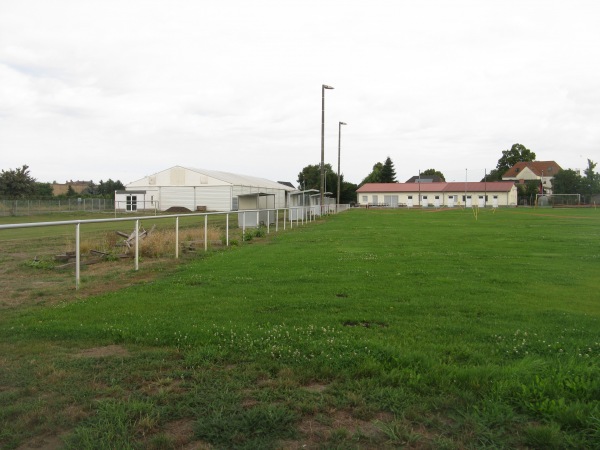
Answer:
(549, 168)
(456, 186)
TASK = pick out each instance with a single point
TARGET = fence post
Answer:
(206, 232)
(227, 230)
(137, 244)
(77, 256)
(177, 237)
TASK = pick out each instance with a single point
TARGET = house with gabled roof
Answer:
(438, 194)
(544, 171)
(200, 190)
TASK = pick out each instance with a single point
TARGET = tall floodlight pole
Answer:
(323, 87)
(466, 178)
(485, 187)
(339, 154)
(419, 196)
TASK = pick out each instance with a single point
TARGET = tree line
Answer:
(567, 181)
(19, 184)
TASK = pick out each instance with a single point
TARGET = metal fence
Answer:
(35, 207)
(291, 217)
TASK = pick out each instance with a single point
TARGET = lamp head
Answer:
(327, 87)
(343, 123)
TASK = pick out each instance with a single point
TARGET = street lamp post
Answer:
(338, 173)
(323, 87)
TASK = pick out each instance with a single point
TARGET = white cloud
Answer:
(101, 89)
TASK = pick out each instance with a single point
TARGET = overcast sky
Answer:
(91, 90)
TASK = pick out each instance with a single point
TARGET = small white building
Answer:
(438, 194)
(198, 190)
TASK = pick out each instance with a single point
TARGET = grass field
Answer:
(370, 329)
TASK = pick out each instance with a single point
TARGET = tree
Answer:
(591, 180)
(435, 173)
(347, 191)
(517, 153)
(528, 191)
(566, 181)
(374, 176)
(107, 188)
(17, 183)
(388, 174)
(43, 190)
(494, 175)
(310, 178)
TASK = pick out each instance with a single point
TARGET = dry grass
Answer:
(25, 283)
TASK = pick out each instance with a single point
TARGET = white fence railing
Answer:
(294, 216)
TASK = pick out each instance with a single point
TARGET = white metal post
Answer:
(227, 229)
(177, 237)
(284, 218)
(243, 224)
(77, 256)
(205, 233)
(137, 244)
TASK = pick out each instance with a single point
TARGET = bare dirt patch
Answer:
(101, 352)
(315, 431)
(45, 442)
(315, 387)
(181, 434)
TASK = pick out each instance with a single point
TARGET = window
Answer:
(131, 203)
(365, 199)
(410, 197)
(424, 197)
(437, 197)
(375, 199)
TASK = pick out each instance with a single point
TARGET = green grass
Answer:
(370, 329)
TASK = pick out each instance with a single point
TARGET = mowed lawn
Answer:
(368, 329)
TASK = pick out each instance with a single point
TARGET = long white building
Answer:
(198, 189)
(438, 194)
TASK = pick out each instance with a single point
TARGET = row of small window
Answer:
(424, 197)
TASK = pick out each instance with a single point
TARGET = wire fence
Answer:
(36, 207)
(74, 238)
